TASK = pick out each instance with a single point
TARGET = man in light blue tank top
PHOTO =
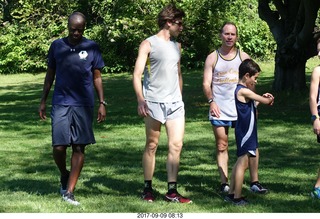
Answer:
(160, 99)
(220, 78)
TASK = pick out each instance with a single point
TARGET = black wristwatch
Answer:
(103, 102)
(314, 117)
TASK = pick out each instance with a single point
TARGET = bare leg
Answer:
(77, 160)
(153, 128)
(318, 180)
(221, 136)
(238, 172)
(175, 132)
(59, 156)
(253, 167)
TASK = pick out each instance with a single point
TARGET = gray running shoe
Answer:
(256, 187)
(69, 197)
(240, 201)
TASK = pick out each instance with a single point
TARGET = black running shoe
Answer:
(229, 197)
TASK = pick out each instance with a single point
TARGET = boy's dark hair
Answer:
(248, 66)
(169, 13)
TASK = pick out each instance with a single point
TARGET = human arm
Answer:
(318, 47)
(179, 72)
(97, 81)
(313, 101)
(48, 81)
(144, 50)
(207, 83)
(251, 86)
(244, 56)
(245, 94)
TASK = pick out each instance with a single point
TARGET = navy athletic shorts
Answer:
(72, 125)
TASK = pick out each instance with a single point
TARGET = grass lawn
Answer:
(112, 177)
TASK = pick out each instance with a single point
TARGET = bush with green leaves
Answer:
(118, 26)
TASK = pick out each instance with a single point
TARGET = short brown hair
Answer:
(229, 23)
(169, 12)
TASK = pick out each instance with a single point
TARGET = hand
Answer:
(214, 110)
(268, 95)
(142, 108)
(316, 127)
(101, 113)
(42, 111)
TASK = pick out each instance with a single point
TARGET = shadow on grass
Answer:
(286, 153)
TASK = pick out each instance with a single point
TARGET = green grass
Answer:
(112, 178)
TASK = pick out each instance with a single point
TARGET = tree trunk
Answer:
(289, 77)
(292, 25)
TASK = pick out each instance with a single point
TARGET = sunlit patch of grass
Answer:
(112, 178)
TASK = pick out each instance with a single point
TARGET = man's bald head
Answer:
(77, 17)
(76, 27)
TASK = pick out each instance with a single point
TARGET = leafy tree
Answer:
(201, 29)
(255, 37)
(292, 24)
(27, 32)
(121, 26)
(29, 27)
(128, 22)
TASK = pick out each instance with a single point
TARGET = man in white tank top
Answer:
(220, 78)
(160, 99)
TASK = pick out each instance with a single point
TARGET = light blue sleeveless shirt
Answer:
(161, 79)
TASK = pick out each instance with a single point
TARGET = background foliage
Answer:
(29, 26)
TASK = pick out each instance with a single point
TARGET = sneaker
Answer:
(69, 197)
(176, 197)
(256, 187)
(316, 193)
(147, 196)
(229, 197)
(64, 183)
(224, 188)
(239, 201)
